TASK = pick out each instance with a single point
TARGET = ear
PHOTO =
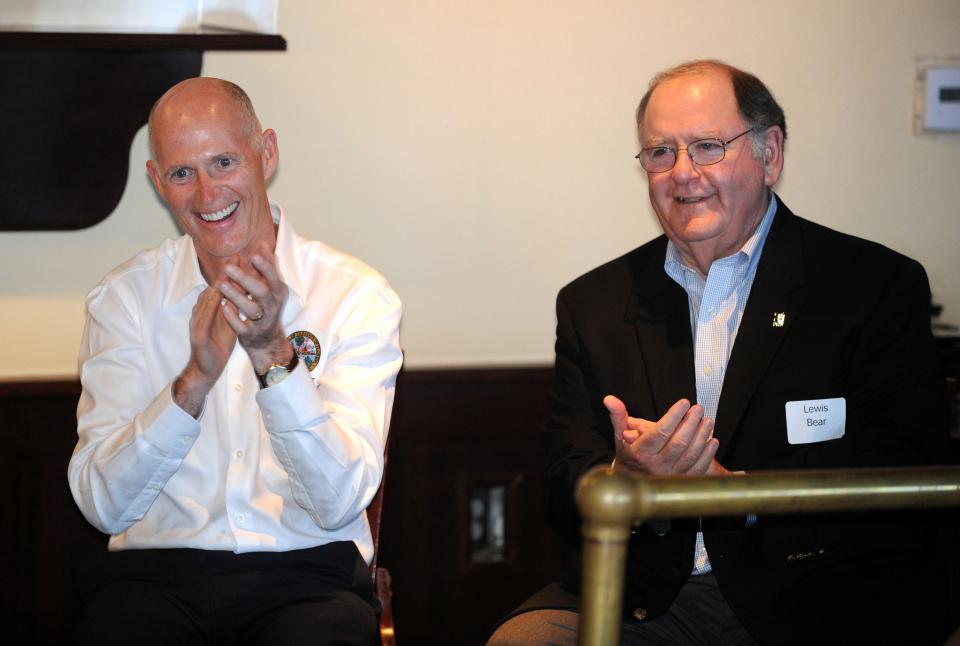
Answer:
(772, 155)
(155, 178)
(269, 153)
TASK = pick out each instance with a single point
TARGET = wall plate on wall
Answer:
(937, 95)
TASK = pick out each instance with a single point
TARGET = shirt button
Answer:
(238, 387)
(241, 519)
(708, 370)
(239, 454)
(184, 440)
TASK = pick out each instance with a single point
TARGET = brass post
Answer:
(610, 503)
(606, 501)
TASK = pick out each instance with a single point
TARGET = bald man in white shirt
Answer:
(237, 389)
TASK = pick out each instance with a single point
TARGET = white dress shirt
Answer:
(288, 467)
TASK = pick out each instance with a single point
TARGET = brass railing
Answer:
(612, 503)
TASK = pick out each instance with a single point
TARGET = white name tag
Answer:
(816, 420)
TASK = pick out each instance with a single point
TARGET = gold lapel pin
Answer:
(779, 318)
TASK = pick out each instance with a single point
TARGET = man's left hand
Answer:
(679, 443)
(258, 293)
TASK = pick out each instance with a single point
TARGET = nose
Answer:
(206, 189)
(684, 168)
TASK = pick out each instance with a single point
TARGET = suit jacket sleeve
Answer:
(578, 434)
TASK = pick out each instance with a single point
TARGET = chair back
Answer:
(374, 511)
(380, 575)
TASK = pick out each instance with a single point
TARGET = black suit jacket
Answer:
(855, 324)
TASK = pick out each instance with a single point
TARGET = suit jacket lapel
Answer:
(661, 316)
(775, 300)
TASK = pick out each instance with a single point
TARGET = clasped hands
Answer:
(245, 304)
(679, 443)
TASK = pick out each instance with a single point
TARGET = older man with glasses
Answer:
(745, 338)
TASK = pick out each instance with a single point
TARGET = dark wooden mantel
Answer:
(71, 103)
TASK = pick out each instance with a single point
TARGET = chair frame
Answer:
(380, 575)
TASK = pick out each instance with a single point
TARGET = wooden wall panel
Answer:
(453, 430)
(45, 538)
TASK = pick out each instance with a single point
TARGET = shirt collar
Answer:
(288, 253)
(186, 277)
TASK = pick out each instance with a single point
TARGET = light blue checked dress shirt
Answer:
(716, 308)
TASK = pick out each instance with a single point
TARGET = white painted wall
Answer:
(480, 154)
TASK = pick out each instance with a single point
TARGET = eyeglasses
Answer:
(702, 152)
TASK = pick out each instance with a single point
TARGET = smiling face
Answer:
(209, 170)
(708, 212)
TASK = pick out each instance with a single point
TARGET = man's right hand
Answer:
(680, 442)
(211, 342)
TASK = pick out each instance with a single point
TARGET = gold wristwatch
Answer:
(277, 372)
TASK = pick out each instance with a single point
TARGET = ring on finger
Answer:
(258, 316)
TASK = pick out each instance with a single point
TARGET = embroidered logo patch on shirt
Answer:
(306, 346)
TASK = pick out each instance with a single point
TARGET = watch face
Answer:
(278, 372)
(275, 375)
